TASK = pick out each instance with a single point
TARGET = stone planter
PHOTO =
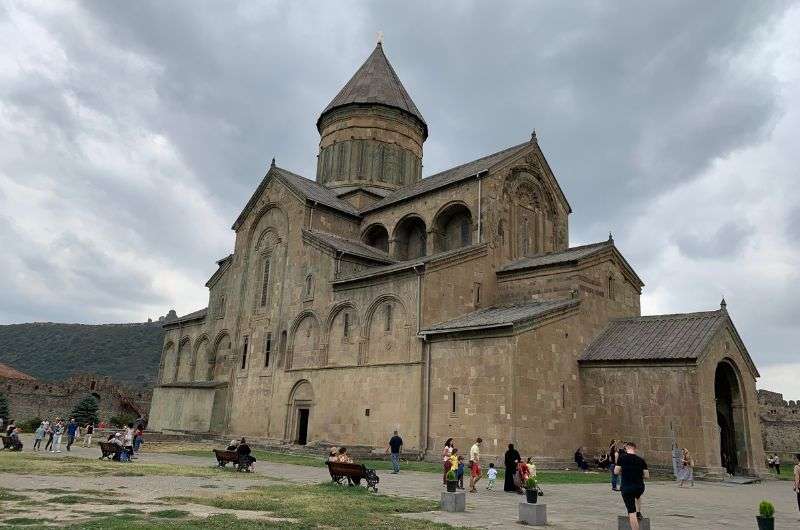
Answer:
(531, 495)
(454, 502)
(765, 523)
(533, 514)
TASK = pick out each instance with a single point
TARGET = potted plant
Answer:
(765, 517)
(531, 490)
(452, 481)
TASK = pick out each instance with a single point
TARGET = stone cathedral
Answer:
(372, 299)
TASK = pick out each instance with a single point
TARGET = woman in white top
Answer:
(447, 451)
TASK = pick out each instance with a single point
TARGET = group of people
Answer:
(54, 432)
(774, 462)
(246, 459)
(128, 442)
(452, 460)
(518, 471)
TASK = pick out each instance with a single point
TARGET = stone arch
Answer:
(376, 236)
(341, 335)
(220, 351)
(183, 364)
(732, 414)
(203, 363)
(265, 260)
(169, 361)
(387, 331)
(410, 237)
(531, 213)
(452, 227)
(303, 347)
(299, 406)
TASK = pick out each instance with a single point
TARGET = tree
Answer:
(86, 411)
(4, 408)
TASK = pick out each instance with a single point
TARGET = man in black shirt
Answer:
(633, 470)
(394, 448)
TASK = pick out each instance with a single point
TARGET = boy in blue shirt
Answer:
(460, 472)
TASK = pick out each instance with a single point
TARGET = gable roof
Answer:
(676, 337)
(569, 256)
(222, 266)
(499, 317)
(8, 372)
(200, 314)
(447, 177)
(307, 189)
(349, 246)
(376, 82)
(555, 258)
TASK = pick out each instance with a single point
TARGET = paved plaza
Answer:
(569, 506)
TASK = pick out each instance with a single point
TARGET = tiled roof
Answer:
(308, 189)
(194, 315)
(12, 373)
(316, 192)
(554, 258)
(445, 178)
(407, 264)
(656, 338)
(350, 246)
(495, 317)
(376, 82)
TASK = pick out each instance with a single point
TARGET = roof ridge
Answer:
(490, 155)
(672, 316)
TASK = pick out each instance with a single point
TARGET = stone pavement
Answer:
(707, 505)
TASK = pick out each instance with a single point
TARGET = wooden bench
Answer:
(225, 456)
(109, 450)
(355, 472)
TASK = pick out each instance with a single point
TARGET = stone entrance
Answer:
(730, 418)
(298, 416)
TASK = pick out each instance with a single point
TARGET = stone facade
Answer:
(780, 424)
(451, 306)
(30, 398)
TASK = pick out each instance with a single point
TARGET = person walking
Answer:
(613, 451)
(475, 464)
(776, 462)
(796, 482)
(686, 472)
(447, 450)
(395, 444)
(492, 475)
(138, 438)
(633, 470)
(72, 431)
(58, 431)
(48, 431)
(38, 436)
(511, 459)
(89, 431)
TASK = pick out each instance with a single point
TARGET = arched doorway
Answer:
(298, 417)
(730, 418)
(410, 238)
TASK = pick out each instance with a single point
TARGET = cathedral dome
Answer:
(371, 133)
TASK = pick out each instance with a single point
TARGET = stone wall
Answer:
(30, 398)
(780, 424)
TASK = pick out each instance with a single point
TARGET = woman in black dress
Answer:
(511, 459)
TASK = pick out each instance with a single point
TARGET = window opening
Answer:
(265, 282)
(453, 404)
(465, 232)
(267, 349)
(388, 315)
(347, 325)
(244, 353)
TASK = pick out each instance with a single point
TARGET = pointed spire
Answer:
(723, 306)
(376, 82)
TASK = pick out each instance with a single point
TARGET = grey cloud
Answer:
(724, 243)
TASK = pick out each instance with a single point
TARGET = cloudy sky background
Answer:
(132, 133)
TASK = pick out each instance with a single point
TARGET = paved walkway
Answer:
(570, 506)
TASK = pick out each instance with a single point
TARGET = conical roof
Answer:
(376, 82)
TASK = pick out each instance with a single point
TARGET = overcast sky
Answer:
(132, 134)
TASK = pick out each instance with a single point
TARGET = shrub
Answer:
(530, 483)
(451, 476)
(86, 411)
(29, 425)
(121, 420)
(766, 509)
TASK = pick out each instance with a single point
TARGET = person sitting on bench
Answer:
(246, 460)
(16, 443)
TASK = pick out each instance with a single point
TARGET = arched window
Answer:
(610, 287)
(388, 317)
(452, 228)
(411, 238)
(265, 281)
(308, 290)
(376, 236)
(244, 352)
(346, 326)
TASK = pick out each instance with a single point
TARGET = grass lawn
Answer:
(28, 464)
(325, 505)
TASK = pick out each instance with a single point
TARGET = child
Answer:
(460, 472)
(492, 474)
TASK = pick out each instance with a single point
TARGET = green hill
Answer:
(127, 352)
